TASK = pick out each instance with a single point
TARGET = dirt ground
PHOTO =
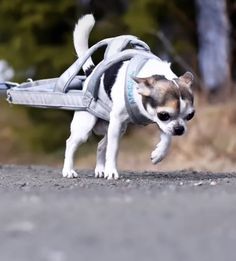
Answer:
(184, 215)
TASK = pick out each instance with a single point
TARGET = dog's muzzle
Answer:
(178, 130)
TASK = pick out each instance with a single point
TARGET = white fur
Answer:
(81, 35)
(83, 122)
(162, 148)
(154, 66)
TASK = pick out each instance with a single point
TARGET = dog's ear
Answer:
(145, 85)
(186, 80)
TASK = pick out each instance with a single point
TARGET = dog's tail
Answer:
(80, 36)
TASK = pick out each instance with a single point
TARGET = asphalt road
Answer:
(143, 216)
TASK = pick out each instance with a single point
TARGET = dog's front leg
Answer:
(162, 148)
(113, 137)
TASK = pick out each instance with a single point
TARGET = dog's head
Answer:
(168, 102)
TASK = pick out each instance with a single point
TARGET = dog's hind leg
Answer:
(100, 129)
(81, 127)
(101, 157)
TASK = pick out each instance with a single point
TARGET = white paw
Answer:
(69, 173)
(99, 171)
(111, 173)
(157, 155)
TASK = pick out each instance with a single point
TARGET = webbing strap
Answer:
(64, 80)
(123, 41)
(114, 46)
(7, 85)
(133, 110)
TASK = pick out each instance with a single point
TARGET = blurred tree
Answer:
(232, 17)
(214, 47)
(34, 36)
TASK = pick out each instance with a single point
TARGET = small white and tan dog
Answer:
(161, 96)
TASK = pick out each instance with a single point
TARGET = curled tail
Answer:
(80, 37)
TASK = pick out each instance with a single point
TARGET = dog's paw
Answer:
(99, 171)
(69, 173)
(157, 155)
(111, 173)
(161, 149)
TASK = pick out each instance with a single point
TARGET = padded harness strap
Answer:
(133, 69)
(64, 80)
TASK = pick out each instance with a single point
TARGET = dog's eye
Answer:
(163, 116)
(190, 116)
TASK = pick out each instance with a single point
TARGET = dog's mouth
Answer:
(176, 134)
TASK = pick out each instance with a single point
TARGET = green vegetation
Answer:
(36, 36)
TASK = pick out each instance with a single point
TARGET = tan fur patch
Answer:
(167, 94)
(174, 104)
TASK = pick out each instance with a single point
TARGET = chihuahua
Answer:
(161, 96)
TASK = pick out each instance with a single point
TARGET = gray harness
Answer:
(66, 92)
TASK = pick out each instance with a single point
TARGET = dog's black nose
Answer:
(178, 130)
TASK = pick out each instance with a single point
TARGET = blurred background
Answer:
(36, 42)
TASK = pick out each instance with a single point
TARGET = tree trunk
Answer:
(214, 48)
